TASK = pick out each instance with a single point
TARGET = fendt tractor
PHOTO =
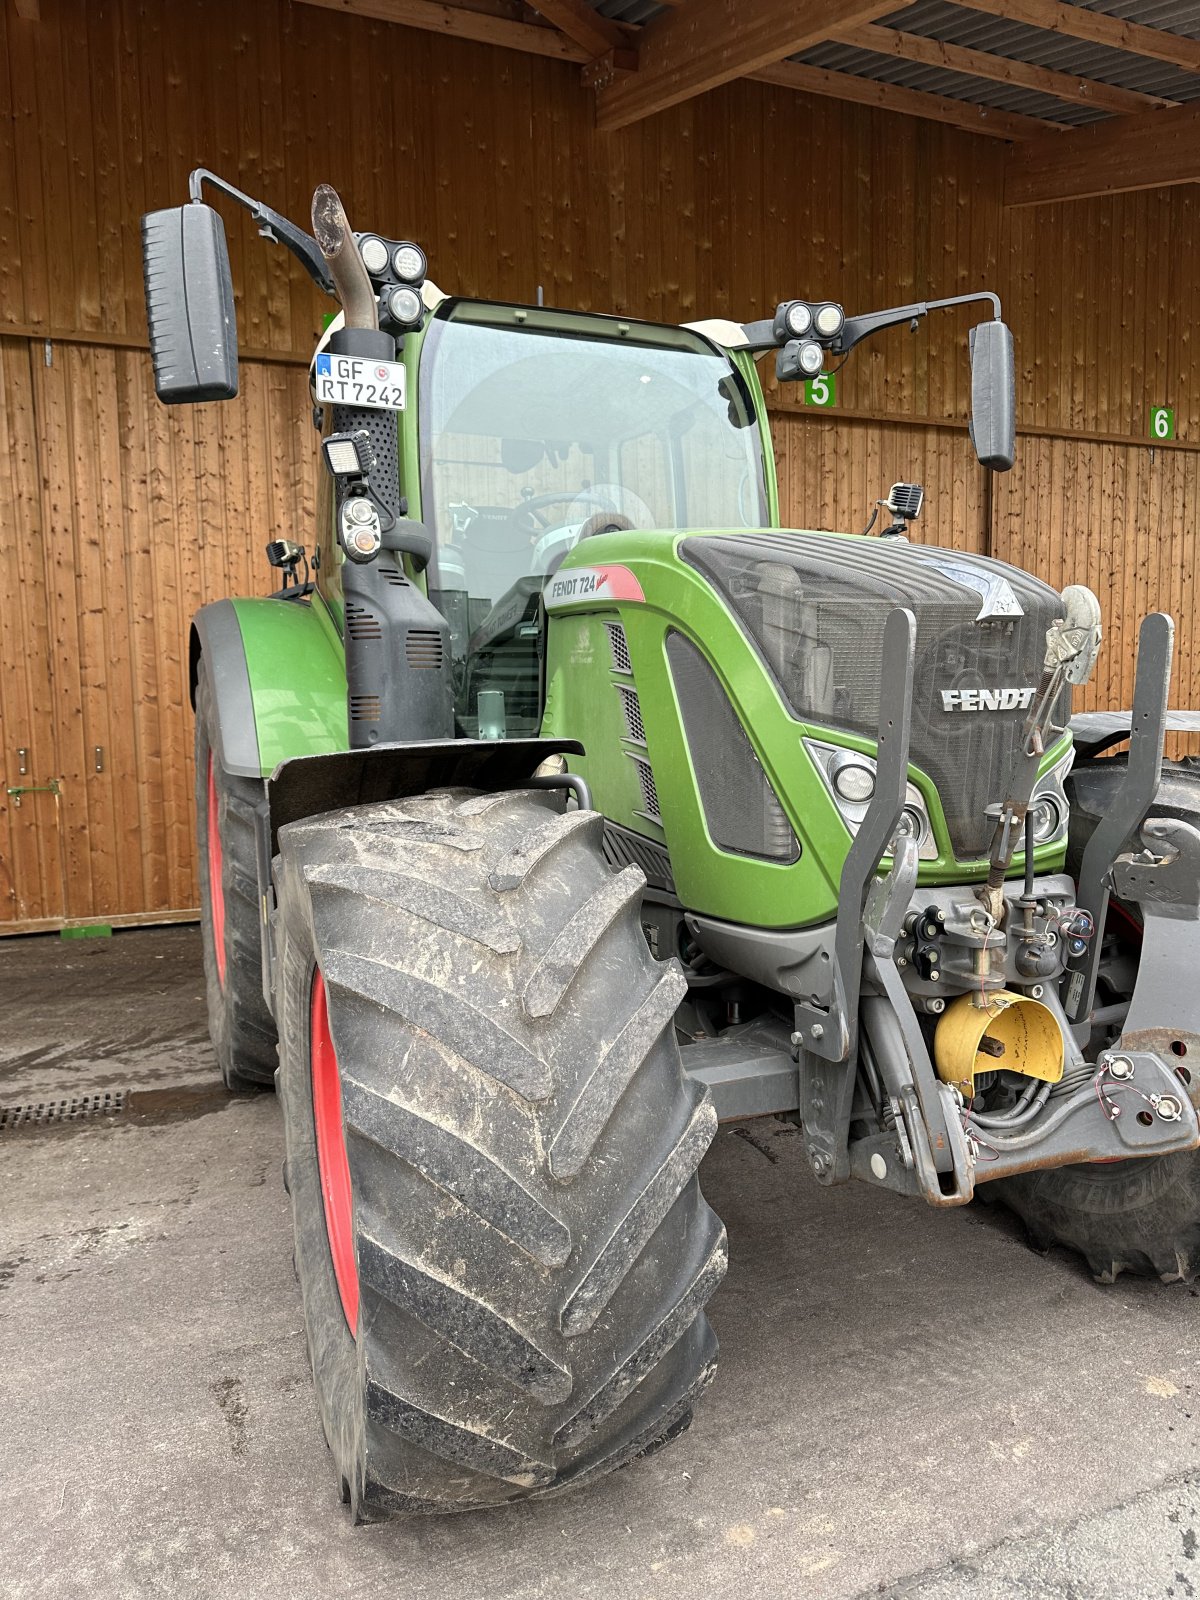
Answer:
(560, 805)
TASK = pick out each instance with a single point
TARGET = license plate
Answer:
(355, 381)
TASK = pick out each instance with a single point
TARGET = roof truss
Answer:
(1143, 141)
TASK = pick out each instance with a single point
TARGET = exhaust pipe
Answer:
(331, 229)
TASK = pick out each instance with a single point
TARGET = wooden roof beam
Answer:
(1077, 22)
(907, 102)
(485, 27)
(596, 34)
(1151, 151)
(998, 69)
(706, 43)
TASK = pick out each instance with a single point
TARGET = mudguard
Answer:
(278, 678)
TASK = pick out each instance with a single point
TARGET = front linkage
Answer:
(1130, 1101)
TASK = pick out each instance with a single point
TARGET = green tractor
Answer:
(560, 805)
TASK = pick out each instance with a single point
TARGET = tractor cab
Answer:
(540, 428)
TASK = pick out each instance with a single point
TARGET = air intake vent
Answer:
(619, 646)
(624, 848)
(362, 623)
(633, 713)
(395, 577)
(740, 807)
(649, 791)
(424, 648)
(364, 708)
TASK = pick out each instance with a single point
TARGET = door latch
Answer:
(15, 791)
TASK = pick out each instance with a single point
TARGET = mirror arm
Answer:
(271, 225)
(855, 329)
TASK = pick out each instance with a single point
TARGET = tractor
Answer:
(560, 805)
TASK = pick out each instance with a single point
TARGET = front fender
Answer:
(278, 677)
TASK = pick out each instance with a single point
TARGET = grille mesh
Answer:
(816, 605)
(633, 713)
(620, 647)
(740, 807)
(649, 788)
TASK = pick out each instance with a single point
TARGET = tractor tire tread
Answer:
(534, 1254)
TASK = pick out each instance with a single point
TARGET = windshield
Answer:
(534, 435)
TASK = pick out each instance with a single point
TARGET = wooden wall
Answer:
(120, 517)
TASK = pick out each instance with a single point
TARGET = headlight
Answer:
(404, 306)
(829, 320)
(799, 319)
(911, 824)
(853, 778)
(1045, 819)
(409, 263)
(349, 455)
(375, 255)
(811, 358)
(1048, 810)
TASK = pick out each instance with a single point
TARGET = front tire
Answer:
(502, 1248)
(1139, 1216)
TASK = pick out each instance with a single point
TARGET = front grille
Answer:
(740, 807)
(816, 604)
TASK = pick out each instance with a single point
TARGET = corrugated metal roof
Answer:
(950, 85)
(940, 19)
(1172, 16)
(937, 20)
(637, 11)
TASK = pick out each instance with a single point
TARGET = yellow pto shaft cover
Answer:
(1011, 1033)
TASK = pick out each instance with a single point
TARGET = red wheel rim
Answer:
(216, 882)
(332, 1162)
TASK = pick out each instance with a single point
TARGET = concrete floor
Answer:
(909, 1404)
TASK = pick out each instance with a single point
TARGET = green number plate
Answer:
(821, 390)
(1162, 422)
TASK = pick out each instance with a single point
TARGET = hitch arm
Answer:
(826, 1041)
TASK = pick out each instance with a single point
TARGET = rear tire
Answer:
(529, 1252)
(1140, 1216)
(239, 1022)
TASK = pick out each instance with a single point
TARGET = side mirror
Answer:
(993, 395)
(189, 305)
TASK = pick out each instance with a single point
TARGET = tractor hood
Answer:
(816, 604)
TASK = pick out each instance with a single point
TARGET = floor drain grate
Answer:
(78, 1108)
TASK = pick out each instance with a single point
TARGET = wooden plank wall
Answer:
(122, 517)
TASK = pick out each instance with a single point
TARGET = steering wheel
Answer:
(603, 522)
(553, 497)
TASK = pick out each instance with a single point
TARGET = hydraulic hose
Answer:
(1021, 1141)
(336, 243)
(1027, 1107)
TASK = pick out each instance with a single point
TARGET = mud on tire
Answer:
(239, 1022)
(533, 1252)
